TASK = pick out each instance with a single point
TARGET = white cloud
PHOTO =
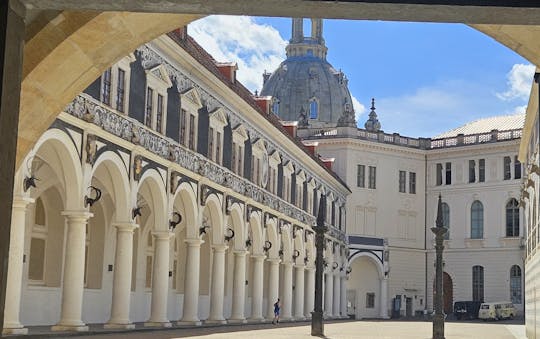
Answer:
(253, 46)
(519, 81)
(359, 108)
(518, 110)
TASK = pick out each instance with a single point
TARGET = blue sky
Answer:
(426, 78)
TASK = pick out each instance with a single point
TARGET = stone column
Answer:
(160, 281)
(73, 283)
(299, 292)
(191, 283)
(309, 298)
(286, 301)
(257, 288)
(384, 298)
(273, 286)
(343, 294)
(337, 296)
(12, 310)
(239, 287)
(12, 33)
(218, 282)
(123, 262)
(328, 295)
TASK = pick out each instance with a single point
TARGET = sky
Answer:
(426, 78)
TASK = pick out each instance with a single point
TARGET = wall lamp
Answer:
(349, 270)
(29, 182)
(295, 255)
(248, 242)
(229, 235)
(267, 246)
(136, 212)
(88, 200)
(335, 265)
(177, 218)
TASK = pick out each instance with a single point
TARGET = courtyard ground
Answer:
(334, 330)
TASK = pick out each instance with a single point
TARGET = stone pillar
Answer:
(273, 286)
(12, 310)
(160, 281)
(343, 294)
(286, 301)
(218, 282)
(239, 287)
(337, 296)
(73, 283)
(257, 288)
(12, 31)
(384, 298)
(123, 262)
(299, 293)
(191, 283)
(328, 295)
(309, 298)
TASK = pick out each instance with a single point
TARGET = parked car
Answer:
(497, 311)
(466, 309)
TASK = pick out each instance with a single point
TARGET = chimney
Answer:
(311, 146)
(228, 69)
(328, 162)
(290, 127)
(263, 102)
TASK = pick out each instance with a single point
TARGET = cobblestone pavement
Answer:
(336, 330)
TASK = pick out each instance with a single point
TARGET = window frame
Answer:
(478, 279)
(512, 207)
(477, 220)
(158, 80)
(402, 181)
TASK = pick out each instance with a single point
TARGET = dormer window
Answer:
(106, 84)
(121, 91)
(313, 109)
(273, 163)
(155, 115)
(114, 84)
(189, 113)
(275, 107)
(239, 138)
(217, 122)
(288, 170)
(299, 199)
(259, 161)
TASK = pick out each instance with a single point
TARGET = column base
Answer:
(236, 321)
(257, 320)
(215, 322)
(69, 328)
(157, 324)
(20, 330)
(299, 318)
(114, 326)
(189, 323)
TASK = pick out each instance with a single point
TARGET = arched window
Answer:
(446, 219)
(512, 218)
(313, 109)
(515, 284)
(478, 283)
(477, 220)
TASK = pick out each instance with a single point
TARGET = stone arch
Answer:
(272, 236)
(287, 241)
(299, 245)
(237, 224)
(151, 187)
(116, 182)
(373, 257)
(57, 150)
(213, 211)
(310, 249)
(257, 241)
(185, 199)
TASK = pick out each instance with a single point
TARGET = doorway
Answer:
(351, 304)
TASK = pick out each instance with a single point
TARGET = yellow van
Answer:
(497, 311)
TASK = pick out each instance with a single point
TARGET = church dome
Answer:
(305, 87)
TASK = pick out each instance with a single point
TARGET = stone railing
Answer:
(474, 139)
(120, 125)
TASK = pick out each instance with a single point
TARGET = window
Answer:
(478, 283)
(412, 182)
(402, 181)
(446, 219)
(275, 107)
(439, 174)
(512, 218)
(191, 139)
(159, 114)
(472, 171)
(149, 107)
(477, 220)
(482, 170)
(372, 177)
(370, 300)
(211, 143)
(515, 284)
(218, 147)
(313, 109)
(506, 169)
(448, 173)
(106, 87)
(183, 123)
(517, 168)
(121, 90)
(360, 176)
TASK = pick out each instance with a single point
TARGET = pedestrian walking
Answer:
(277, 307)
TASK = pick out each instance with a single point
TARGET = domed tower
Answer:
(305, 87)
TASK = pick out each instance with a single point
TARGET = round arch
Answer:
(152, 185)
(372, 257)
(256, 233)
(186, 197)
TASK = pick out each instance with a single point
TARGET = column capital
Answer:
(125, 226)
(240, 253)
(21, 202)
(219, 247)
(310, 268)
(287, 263)
(194, 242)
(81, 214)
(301, 265)
(273, 260)
(162, 235)
(258, 257)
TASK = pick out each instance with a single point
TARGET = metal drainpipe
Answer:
(425, 232)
